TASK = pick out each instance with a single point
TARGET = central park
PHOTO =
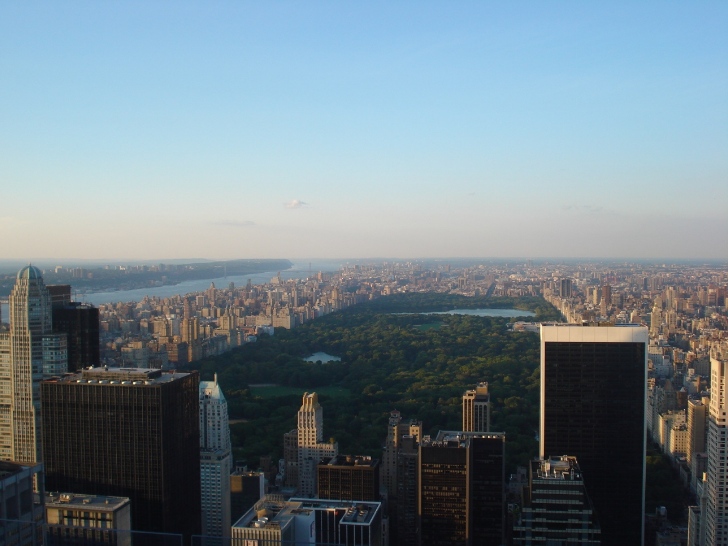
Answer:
(395, 355)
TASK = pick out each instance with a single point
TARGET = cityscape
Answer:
(102, 401)
(363, 274)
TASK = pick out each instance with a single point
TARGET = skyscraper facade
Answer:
(311, 447)
(22, 360)
(80, 323)
(461, 497)
(127, 432)
(557, 509)
(396, 429)
(348, 478)
(215, 460)
(476, 409)
(593, 398)
(716, 495)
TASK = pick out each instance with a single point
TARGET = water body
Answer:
(323, 357)
(300, 270)
(508, 313)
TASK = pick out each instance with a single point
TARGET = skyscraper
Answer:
(127, 432)
(215, 460)
(556, 509)
(593, 397)
(716, 496)
(311, 447)
(476, 409)
(80, 323)
(462, 489)
(565, 288)
(22, 361)
(348, 478)
(396, 429)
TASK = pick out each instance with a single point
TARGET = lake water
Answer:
(508, 313)
(323, 357)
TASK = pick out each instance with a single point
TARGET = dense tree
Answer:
(388, 361)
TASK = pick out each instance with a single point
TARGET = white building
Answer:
(273, 521)
(716, 516)
(311, 447)
(215, 460)
(26, 350)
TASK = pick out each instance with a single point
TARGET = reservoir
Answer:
(507, 313)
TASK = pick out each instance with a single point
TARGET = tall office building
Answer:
(80, 323)
(311, 447)
(246, 488)
(716, 495)
(403, 504)
(26, 349)
(556, 508)
(127, 432)
(461, 497)
(565, 288)
(215, 460)
(476, 409)
(396, 429)
(607, 295)
(593, 398)
(348, 478)
(697, 421)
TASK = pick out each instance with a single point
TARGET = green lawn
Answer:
(282, 390)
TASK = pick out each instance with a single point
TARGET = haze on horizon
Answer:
(145, 130)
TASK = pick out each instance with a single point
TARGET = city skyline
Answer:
(137, 131)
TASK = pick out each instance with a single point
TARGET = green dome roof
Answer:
(30, 272)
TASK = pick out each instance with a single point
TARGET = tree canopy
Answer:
(416, 363)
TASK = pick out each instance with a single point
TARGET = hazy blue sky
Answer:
(340, 129)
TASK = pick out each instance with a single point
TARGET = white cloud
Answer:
(296, 204)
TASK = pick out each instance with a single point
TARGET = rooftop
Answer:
(458, 438)
(120, 376)
(350, 460)
(29, 272)
(273, 511)
(88, 502)
(564, 467)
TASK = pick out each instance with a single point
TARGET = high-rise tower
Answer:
(461, 497)
(21, 366)
(128, 432)
(311, 447)
(593, 397)
(215, 460)
(716, 506)
(476, 409)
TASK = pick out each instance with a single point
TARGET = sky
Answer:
(234, 129)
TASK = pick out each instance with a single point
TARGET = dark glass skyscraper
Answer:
(127, 432)
(593, 396)
(462, 489)
(80, 322)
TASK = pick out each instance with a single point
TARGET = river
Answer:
(300, 270)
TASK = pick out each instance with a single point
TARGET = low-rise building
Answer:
(80, 520)
(277, 522)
